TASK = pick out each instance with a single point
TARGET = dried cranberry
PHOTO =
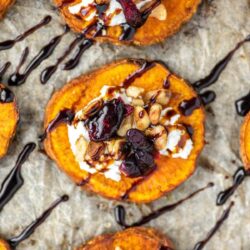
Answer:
(130, 168)
(138, 140)
(138, 164)
(133, 16)
(145, 161)
(105, 123)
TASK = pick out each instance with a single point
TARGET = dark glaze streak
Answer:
(120, 213)
(201, 244)
(218, 68)
(6, 95)
(17, 79)
(128, 31)
(14, 179)
(3, 69)
(10, 43)
(187, 107)
(242, 105)
(207, 97)
(145, 66)
(49, 71)
(64, 116)
(84, 45)
(36, 223)
(166, 83)
(238, 178)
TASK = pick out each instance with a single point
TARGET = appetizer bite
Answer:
(245, 142)
(141, 22)
(134, 130)
(8, 118)
(137, 238)
(4, 5)
(4, 245)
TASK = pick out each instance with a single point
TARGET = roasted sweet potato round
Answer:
(137, 238)
(4, 245)
(152, 31)
(8, 118)
(4, 5)
(245, 141)
(169, 173)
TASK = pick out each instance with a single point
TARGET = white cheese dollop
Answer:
(114, 14)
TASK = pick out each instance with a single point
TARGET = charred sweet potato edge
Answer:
(4, 5)
(169, 173)
(9, 117)
(245, 141)
(145, 238)
(4, 245)
(179, 12)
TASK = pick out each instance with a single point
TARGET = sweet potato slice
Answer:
(245, 141)
(4, 5)
(4, 245)
(134, 238)
(170, 172)
(153, 31)
(8, 119)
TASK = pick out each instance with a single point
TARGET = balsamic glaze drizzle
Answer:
(207, 97)
(218, 68)
(49, 71)
(73, 62)
(14, 179)
(3, 69)
(8, 44)
(145, 66)
(120, 213)
(201, 244)
(64, 116)
(238, 178)
(242, 105)
(187, 107)
(36, 223)
(6, 95)
(17, 79)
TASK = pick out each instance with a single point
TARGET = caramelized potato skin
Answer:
(9, 117)
(137, 238)
(4, 5)
(170, 172)
(245, 142)
(153, 31)
(4, 245)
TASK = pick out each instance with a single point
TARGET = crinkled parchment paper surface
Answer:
(191, 53)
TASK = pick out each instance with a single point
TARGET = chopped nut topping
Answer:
(155, 113)
(134, 92)
(161, 96)
(160, 12)
(81, 148)
(127, 124)
(94, 151)
(141, 118)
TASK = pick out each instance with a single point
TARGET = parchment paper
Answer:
(191, 53)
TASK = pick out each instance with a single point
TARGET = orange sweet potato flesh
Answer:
(169, 173)
(130, 239)
(4, 5)
(245, 142)
(8, 119)
(153, 31)
(4, 245)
